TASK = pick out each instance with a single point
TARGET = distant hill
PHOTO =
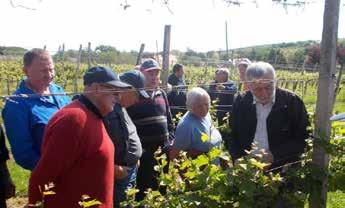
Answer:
(12, 51)
(289, 54)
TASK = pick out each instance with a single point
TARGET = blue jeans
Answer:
(121, 185)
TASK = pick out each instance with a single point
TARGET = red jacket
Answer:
(77, 157)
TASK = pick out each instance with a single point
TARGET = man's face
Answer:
(107, 98)
(200, 107)
(263, 88)
(151, 78)
(179, 73)
(41, 72)
(221, 77)
(242, 70)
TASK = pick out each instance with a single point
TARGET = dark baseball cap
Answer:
(136, 79)
(104, 75)
(149, 64)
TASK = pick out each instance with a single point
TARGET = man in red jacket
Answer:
(77, 161)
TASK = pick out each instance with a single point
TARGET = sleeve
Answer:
(299, 122)
(172, 81)
(171, 126)
(183, 137)
(231, 87)
(3, 149)
(17, 124)
(232, 143)
(60, 152)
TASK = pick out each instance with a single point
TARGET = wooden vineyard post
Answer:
(88, 55)
(77, 69)
(166, 53)
(325, 95)
(140, 54)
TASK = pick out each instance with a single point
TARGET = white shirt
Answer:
(261, 136)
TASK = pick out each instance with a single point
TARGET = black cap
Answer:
(149, 64)
(136, 79)
(100, 74)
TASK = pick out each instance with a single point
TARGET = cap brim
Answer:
(144, 93)
(149, 69)
(119, 84)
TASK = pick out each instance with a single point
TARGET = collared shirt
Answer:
(262, 112)
(25, 119)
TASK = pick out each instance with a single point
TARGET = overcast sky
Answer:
(195, 24)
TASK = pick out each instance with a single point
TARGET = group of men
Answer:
(103, 142)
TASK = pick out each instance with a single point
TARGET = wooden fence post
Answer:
(325, 95)
(8, 85)
(140, 54)
(77, 69)
(89, 55)
(337, 86)
(166, 53)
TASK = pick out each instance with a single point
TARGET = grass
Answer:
(20, 177)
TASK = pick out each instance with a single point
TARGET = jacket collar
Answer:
(24, 89)
(89, 105)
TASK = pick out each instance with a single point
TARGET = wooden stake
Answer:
(325, 94)
(166, 53)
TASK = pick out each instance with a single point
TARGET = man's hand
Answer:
(220, 87)
(264, 156)
(267, 157)
(120, 172)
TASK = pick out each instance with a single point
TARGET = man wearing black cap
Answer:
(77, 153)
(152, 118)
(124, 135)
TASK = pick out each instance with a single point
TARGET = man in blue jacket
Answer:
(27, 112)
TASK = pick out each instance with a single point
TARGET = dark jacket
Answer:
(3, 149)
(177, 97)
(286, 127)
(124, 135)
(3, 168)
(225, 98)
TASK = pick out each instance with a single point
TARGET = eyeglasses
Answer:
(262, 85)
(108, 89)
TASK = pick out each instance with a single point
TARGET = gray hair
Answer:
(29, 56)
(223, 70)
(193, 95)
(259, 69)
